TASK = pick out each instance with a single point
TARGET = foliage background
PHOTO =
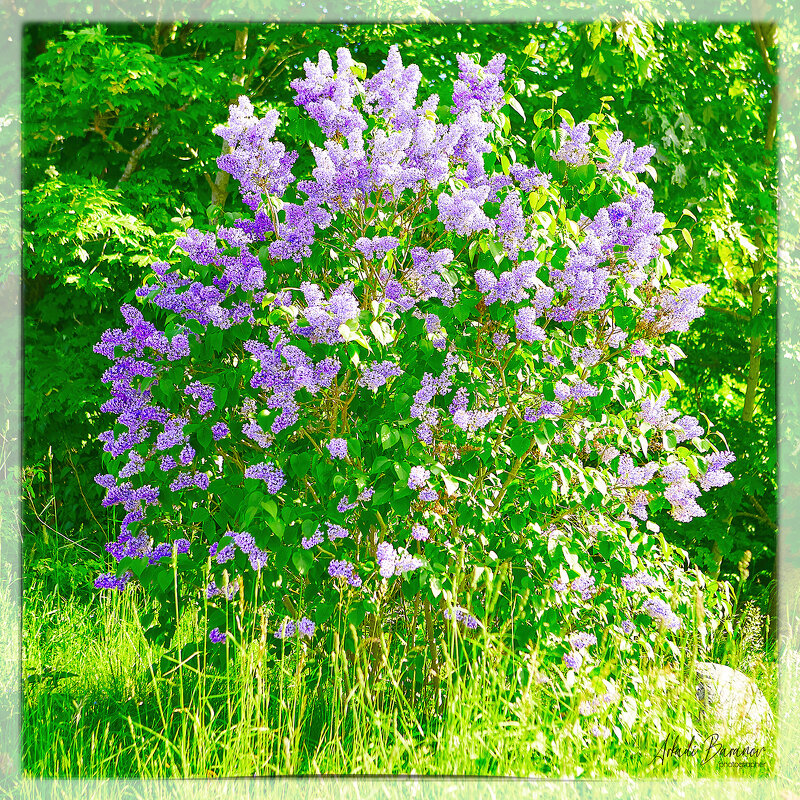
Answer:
(117, 162)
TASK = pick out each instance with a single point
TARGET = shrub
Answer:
(425, 386)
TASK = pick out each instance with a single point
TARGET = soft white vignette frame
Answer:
(366, 788)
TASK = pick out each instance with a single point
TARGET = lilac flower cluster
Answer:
(260, 165)
(287, 629)
(637, 581)
(229, 592)
(574, 148)
(376, 248)
(283, 372)
(395, 562)
(337, 448)
(715, 474)
(345, 570)
(580, 640)
(217, 636)
(660, 610)
(547, 408)
(470, 421)
(418, 477)
(420, 532)
(624, 158)
(585, 586)
(244, 541)
(511, 286)
(376, 374)
(431, 387)
(269, 473)
(462, 615)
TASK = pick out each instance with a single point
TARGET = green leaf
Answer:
(302, 560)
(519, 445)
(514, 103)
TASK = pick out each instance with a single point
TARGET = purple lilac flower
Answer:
(344, 505)
(547, 408)
(574, 149)
(328, 96)
(337, 448)
(462, 212)
(313, 541)
(163, 550)
(337, 532)
(573, 660)
(225, 554)
(428, 495)
(260, 165)
(110, 581)
(529, 178)
(678, 311)
(660, 610)
(182, 546)
(187, 455)
(477, 83)
(268, 472)
(378, 373)
(217, 636)
(245, 542)
(376, 248)
(585, 584)
(637, 581)
(683, 496)
(716, 475)
(462, 615)
(526, 330)
(366, 495)
(418, 477)
(420, 532)
(306, 627)
(688, 428)
(627, 627)
(220, 431)
(630, 476)
(286, 630)
(344, 569)
(581, 640)
(624, 157)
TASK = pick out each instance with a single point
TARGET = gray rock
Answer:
(736, 708)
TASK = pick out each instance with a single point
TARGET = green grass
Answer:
(98, 701)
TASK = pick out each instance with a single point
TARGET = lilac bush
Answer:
(422, 372)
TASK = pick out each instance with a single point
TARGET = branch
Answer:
(219, 186)
(136, 154)
(509, 478)
(762, 46)
(729, 312)
(763, 516)
(116, 146)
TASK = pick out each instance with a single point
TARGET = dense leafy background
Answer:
(118, 162)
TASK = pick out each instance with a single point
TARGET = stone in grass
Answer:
(735, 707)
